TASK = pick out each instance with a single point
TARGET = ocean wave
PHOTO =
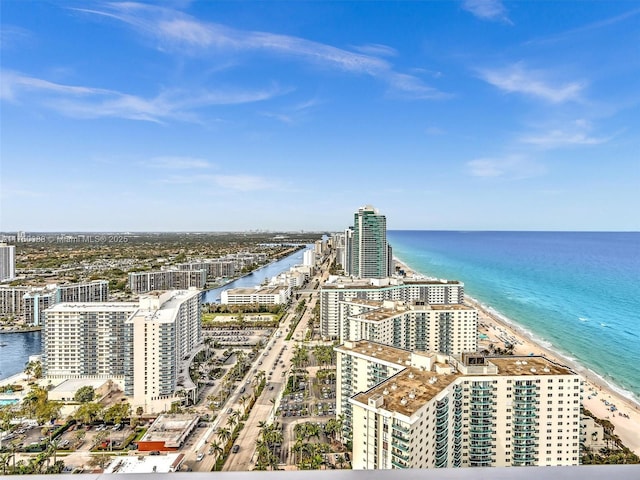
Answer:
(583, 319)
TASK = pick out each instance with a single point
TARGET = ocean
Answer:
(576, 293)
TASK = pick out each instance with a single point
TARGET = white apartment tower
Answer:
(463, 411)
(449, 329)
(142, 346)
(85, 340)
(159, 337)
(340, 289)
(7, 262)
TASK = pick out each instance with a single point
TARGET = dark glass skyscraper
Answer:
(370, 253)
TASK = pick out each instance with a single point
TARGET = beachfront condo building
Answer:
(459, 410)
(143, 346)
(160, 338)
(371, 255)
(143, 282)
(416, 325)
(7, 262)
(339, 289)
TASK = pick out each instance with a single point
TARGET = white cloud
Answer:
(517, 79)
(376, 49)
(89, 102)
(570, 134)
(515, 167)
(486, 9)
(175, 30)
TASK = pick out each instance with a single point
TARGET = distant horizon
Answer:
(323, 231)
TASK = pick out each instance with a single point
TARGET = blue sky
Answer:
(194, 116)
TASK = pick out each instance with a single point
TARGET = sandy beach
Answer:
(626, 417)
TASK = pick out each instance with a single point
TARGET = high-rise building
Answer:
(370, 250)
(144, 346)
(29, 303)
(7, 262)
(85, 340)
(416, 325)
(432, 292)
(459, 411)
(142, 282)
(159, 339)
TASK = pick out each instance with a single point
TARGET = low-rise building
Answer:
(168, 432)
(268, 295)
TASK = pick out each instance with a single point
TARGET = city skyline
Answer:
(239, 116)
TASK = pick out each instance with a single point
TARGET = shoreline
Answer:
(496, 327)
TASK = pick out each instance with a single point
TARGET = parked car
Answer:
(199, 457)
(235, 448)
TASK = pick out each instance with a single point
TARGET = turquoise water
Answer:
(577, 293)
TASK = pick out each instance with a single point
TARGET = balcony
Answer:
(397, 426)
(401, 455)
(397, 464)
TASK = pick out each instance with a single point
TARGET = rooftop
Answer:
(146, 464)
(380, 351)
(341, 282)
(512, 365)
(408, 390)
(94, 307)
(388, 309)
(170, 429)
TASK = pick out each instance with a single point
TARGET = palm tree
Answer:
(216, 449)
(341, 461)
(4, 460)
(224, 435)
(243, 400)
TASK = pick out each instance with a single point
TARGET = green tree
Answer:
(88, 413)
(117, 412)
(85, 394)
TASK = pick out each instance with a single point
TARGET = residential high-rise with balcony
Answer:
(416, 325)
(159, 339)
(143, 346)
(459, 410)
(371, 255)
(340, 289)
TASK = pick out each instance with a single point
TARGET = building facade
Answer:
(468, 411)
(159, 339)
(339, 289)
(29, 303)
(96, 291)
(145, 346)
(143, 282)
(450, 329)
(269, 295)
(7, 262)
(85, 340)
(370, 253)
